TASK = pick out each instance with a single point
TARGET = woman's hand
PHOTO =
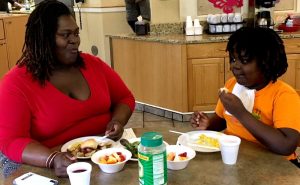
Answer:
(232, 103)
(199, 120)
(61, 162)
(114, 130)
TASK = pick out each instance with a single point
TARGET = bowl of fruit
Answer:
(111, 160)
(179, 156)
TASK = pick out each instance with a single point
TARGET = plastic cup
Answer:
(229, 148)
(79, 173)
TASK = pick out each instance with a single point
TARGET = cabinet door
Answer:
(292, 74)
(15, 36)
(3, 57)
(205, 78)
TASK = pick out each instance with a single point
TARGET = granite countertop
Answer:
(183, 39)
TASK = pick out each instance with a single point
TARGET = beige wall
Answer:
(94, 28)
(166, 11)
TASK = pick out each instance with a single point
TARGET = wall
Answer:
(166, 11)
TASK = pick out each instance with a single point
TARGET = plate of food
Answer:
(201, 141)
(132, 145)
(85, 147)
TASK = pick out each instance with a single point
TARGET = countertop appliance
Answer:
(263, 15)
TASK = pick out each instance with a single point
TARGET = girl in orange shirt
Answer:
(257, 60)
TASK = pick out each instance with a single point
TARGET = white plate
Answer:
(189, 139)
(134, 140)
(81, 139)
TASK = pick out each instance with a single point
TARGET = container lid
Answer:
(151, 139)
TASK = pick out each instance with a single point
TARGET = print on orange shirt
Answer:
(257, 114)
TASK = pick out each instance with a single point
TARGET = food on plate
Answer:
(208, 141)
(87, 147)
(224, 89)
(132, 147)
(113, 158)
(180, 157)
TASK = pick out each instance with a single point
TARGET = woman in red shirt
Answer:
(55, 93)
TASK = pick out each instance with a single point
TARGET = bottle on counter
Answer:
(152, 160)
(142, 27)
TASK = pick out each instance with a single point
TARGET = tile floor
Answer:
(140, 119)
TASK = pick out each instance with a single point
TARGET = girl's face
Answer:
(67, 40)
(247, 73)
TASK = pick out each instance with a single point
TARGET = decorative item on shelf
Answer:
(291, 24)
(227, 5)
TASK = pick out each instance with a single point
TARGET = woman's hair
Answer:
(38, 50)
(263, 45)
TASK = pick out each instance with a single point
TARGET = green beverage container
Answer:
(152, 160)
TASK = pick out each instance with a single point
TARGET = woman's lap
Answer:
(7, 166)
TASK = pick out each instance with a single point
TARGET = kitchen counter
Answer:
(183, 39)
(183, 74)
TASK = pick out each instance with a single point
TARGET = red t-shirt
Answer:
(29, 111)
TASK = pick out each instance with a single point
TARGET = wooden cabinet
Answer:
(12, 35)
(3, 56)
(206, 74)
(183, 77)
(205, 77)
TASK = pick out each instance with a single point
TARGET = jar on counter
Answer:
(152, 160)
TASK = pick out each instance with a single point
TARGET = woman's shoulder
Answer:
(17, 77)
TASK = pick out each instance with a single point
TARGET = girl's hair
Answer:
(263, 45)
(38, 50)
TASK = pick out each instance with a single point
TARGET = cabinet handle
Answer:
(9, 22)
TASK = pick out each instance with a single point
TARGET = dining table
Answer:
(255, 166)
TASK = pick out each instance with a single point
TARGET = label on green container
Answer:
(153, 169)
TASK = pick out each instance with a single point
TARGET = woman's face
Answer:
(67, 40)
(247, 73)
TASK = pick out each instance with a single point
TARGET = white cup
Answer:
(230, 17)
(229, 148)
(219, 28)
(237, 17)
(208, 18)
(238, 26)
(215, 19)
(233, 27)
(224, 17)
(226, 28)
(79, 173)
(212, 28)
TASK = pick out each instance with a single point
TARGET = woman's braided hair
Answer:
(262, 44)
(38, 50)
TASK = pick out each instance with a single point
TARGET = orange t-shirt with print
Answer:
(276, 105)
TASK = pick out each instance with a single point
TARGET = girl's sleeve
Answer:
(14, 120)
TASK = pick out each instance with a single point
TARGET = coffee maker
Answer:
(263, 13)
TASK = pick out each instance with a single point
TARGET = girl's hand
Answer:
(199, 120)
(232, 103)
